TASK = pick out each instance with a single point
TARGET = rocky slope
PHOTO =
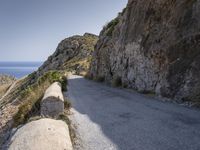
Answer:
(6, 79)
(23, 101)
(73, 54)
(153, 46)
(5, 82)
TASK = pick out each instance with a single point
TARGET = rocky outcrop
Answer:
(73, 54)
(43, 134)
(52, 104)
(153, 46)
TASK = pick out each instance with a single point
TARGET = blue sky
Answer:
(30, 30)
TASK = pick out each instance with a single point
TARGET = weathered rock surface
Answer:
(52, 103)
(73, 54)
(153, 46)
(43, 134)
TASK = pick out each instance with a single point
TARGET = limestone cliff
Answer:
(73, 54)
(153, 46)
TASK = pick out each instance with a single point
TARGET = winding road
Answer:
(107, 118)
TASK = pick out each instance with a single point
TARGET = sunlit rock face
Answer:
(153, 46)
(73, 54)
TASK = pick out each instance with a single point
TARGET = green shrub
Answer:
(111, 26)
(124, 10)
(64, 83)
(117, 81)
(54, 76)
(88, 76)
(51, 76)
(32, 94)
(67, 104)
(148, 93)
(100, 79)
(124, 85)
(27, 110)
(72, 132)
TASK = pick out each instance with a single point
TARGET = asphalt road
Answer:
(107, 118)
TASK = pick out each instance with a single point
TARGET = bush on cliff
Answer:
(100, 79)
(116, 81)
(111, 26)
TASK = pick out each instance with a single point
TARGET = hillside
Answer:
(6, 79)
(5, 82)
(73, 54)
(22, 103)
(153, 46)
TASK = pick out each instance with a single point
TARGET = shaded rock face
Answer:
(72, 54)
(153, 46)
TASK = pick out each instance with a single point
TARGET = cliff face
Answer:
(153, 46)
(73, 54)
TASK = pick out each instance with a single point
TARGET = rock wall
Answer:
(153, 46)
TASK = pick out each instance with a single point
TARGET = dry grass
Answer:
(78, 65)
(31, 96)
(3, 89)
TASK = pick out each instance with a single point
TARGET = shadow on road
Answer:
(135, 122)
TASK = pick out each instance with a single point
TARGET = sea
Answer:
(19, 69)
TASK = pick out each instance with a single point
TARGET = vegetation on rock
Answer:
(116, 81)
(32, 95)
(109, 28)
(5, 83)
(73, 54)
(6, 79)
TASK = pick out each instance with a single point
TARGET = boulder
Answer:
(52, 103)
(43, 134)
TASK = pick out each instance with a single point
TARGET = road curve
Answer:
(107, 118)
